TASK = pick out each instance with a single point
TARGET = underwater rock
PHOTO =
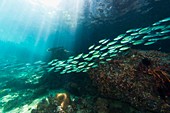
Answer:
(135, 78)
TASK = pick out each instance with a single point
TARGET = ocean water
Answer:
(52, 46)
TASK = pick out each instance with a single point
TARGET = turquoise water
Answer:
(41, 40)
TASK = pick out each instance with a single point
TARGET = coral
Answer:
(139, 78)
(84, 104)
(63, 100)
(61, 103)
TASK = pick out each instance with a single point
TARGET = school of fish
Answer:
(105, 50)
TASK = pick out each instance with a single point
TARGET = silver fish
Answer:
(91, 47)
(124, 48)
(149, 43)
(111, 43)
(137, 42)
(102, 40)
(105, 41)
(104, 48)
(119, 37)
(165, 20)
(97, 47)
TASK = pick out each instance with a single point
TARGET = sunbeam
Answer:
(35, 25)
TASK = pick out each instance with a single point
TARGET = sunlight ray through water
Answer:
(33, 23)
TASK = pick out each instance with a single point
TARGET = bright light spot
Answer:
(50, 3)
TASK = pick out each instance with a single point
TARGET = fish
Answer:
(38, 62)
(154, 39)
(126, 39)
(68, 66)
(167, 27)
(63, 72)
(91, 47)
(165, 31)
(78, 56)
(149, 36)
(74, 62)
(124, 48)
(164, 38)
(56, 70)
(112, 47)
(97, 47)
(112, 51)
(108, 59)
(69, 60)
(28, 64)
(149, 43)
(102, 58)
(104, 54)
(165, 20)
(111, 43)
(158, 28)
(156, 24)
(132, 30)
(50, 69)
(109, 48)
(95, 56)
(70, 57)
(96, 53)
(134, 34)
(105, 41)
(101, 41)
(145, 30)
(104, 48)
(80, 67)
(138, 42)
(90, 64)
(82, 63)
(94, 66)
(88, 59)
(113, 55)
(119, 37)
(53, 64)
(85, 55)
(91, 51)
(117, 46)
(85, 70)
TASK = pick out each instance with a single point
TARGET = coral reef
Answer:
(84, 104)
(55, 104)
(140, 78)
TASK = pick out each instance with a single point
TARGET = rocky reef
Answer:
(83, 104)
(132, 82)
(140, 78)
